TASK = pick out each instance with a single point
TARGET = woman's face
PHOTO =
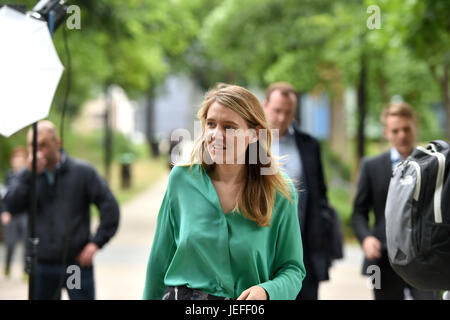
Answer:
(227, 135)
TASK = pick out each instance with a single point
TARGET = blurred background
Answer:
(139, 70)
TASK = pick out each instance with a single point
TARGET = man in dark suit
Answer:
(304, 166)
(400, 129)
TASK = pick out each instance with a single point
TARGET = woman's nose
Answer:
(217, 134)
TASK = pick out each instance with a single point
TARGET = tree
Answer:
(259, 42)
(428, 37)
(423, 28)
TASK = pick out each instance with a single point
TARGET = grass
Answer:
(144, 169)
(338, 176)
(144, 172)
(90, 147)
(340, 199)
(341, 188)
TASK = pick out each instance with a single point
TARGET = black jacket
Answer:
(375, 175)
(8, 178)
(63, 218)
(319, 223)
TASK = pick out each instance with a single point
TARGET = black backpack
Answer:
(418, 218)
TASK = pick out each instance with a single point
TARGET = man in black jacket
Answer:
(304, 166)
(400, 129)
(66, 188)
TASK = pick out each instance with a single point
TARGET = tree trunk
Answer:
(108, 134)
(446, 98)
(150, 131)
(338, 137)
(445, 94)
(338, 128)
(362, 110)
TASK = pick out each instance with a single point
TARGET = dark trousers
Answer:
(310, 288)
(186, 293)
(392, 286)
(15, 232)
(51, 278)
(9, 256)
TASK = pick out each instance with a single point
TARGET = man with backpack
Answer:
(400, 129)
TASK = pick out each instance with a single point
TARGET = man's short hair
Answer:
(400, 109)
(285, 88)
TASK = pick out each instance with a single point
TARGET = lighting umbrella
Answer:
(30, 70)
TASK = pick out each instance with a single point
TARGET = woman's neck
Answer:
(229, 173)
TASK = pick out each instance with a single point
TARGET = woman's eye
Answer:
(210, 124)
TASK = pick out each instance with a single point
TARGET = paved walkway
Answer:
(346, 281)
(120, 266)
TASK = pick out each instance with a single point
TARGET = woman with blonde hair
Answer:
(228, 225)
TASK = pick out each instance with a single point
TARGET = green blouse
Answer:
(198, 245)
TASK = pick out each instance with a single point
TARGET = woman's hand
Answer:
(254, 293)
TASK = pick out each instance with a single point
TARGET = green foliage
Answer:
(258, 42)
(89, 147)
(136, 43)
(6, 146)
(337, 175)
(313, 44)
(397, 68)
(133, 44)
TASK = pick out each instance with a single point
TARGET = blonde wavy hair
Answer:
(256, 198)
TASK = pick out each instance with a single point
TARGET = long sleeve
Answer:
(287, 279)
(100, 194)
(162, 251)
(362, 204)
(18, 195)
